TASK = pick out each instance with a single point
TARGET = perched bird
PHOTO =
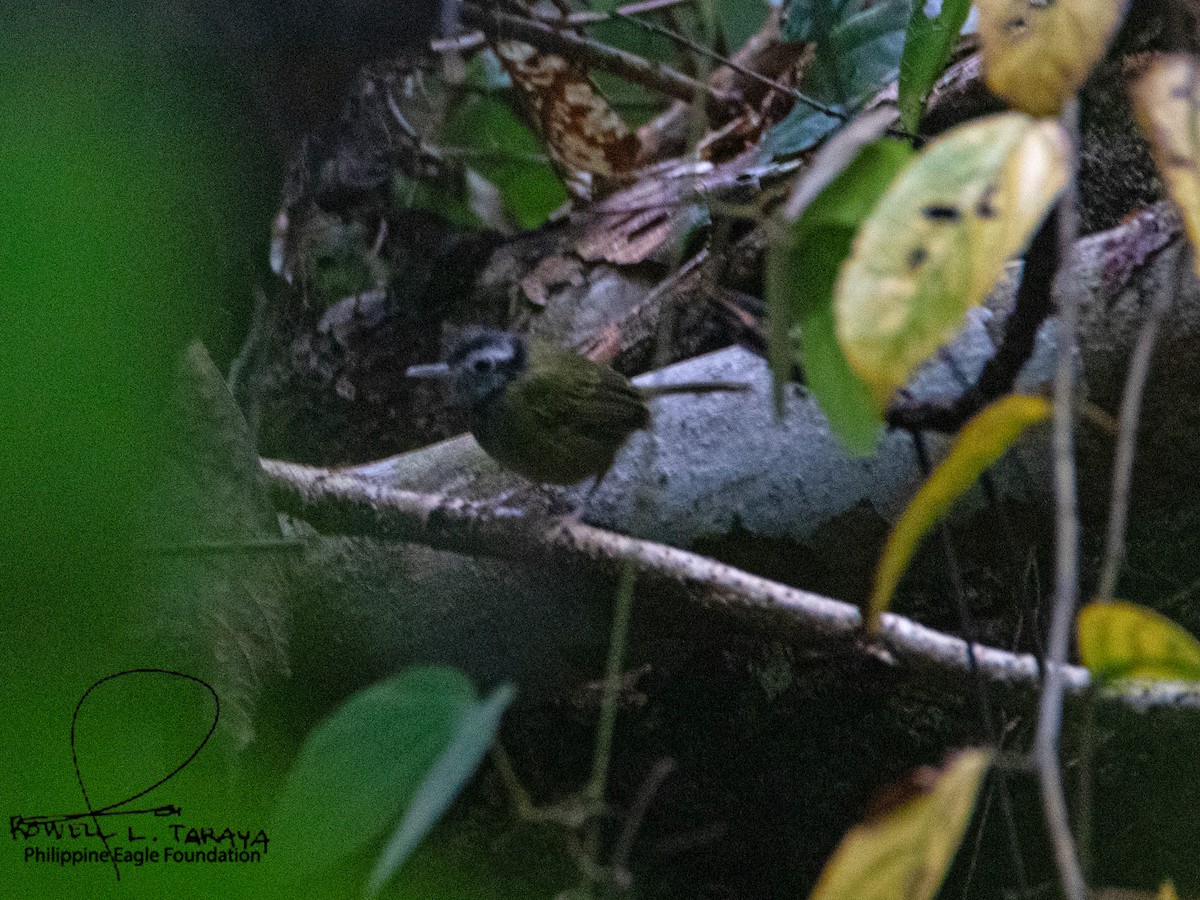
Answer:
(552, 416)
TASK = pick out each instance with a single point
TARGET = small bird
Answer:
(552, 416)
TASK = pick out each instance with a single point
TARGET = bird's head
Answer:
(479, 365)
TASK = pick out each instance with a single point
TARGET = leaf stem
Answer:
(612, 687)
(1127, 425)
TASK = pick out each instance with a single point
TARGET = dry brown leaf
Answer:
(582, 132)
(633, 225)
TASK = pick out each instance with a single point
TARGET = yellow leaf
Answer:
(1120, 640)
(939, 239)
(1166, 101)
(904, 854)
(978, 445)
(1037, 54)
(1166, 891)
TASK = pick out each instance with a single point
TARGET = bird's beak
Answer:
(428, 370)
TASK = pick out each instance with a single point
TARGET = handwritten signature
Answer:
(28, 826)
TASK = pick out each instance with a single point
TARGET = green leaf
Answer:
(508, 155)
(361, 767)
(448, 199)
(981, 442)
(939, 239)
(477, 728)
(801, 272)
(485, 72)
(904, 853)
(739, 19)
(1120, 640)
(858, 45)
(812, 20)
(927, 48)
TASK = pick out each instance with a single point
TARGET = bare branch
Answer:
(1131, 407)
(345, 504)
(1127, 425)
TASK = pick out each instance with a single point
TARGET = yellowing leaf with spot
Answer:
(1166, 101)
(1037, 54)
(939, 239)
(1120, 640)
(904, 854)
(978, 445)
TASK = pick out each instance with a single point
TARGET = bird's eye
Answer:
(483, 365)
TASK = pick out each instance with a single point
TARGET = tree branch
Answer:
(341, 503)
(656, 76)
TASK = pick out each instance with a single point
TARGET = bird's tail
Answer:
(693, 387)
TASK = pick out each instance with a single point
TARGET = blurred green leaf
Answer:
(927, 48)
(336, 262)
(739, 19)
(362, 767)
(859, 44)
(477, 729)
(506, 153)
(448, 199)
(809, 20)
(801, 273)
(130, 194)
(485, 73)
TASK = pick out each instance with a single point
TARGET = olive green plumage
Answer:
(552, 416)
(561, 420)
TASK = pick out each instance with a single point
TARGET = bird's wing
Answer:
(575, 396)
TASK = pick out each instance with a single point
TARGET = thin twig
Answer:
(1066, 568)
(1127, 425)
(696, 47)
(475, 39)
(612, 687)
(571, 813)
(1083, 802)
(619, 863)
(1114, 550)
(629, 9)
(653, 75)
(987, 722)
(495, 154)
